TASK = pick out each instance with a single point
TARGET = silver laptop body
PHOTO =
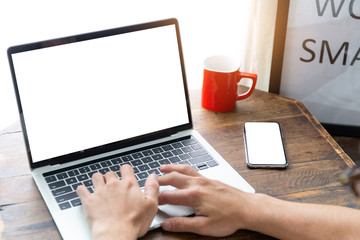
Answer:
(102, 98)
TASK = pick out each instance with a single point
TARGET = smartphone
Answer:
(264, 145)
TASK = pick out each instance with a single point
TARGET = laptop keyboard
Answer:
(145, 161)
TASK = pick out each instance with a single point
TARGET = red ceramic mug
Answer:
(220, 85)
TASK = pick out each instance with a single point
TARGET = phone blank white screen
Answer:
(86, 94)
(264, 143)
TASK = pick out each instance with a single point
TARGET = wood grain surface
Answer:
(315, 163)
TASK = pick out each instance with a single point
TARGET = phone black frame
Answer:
(278, 166)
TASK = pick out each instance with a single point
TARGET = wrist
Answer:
(255, 204)
(264, 214)
(113, 231)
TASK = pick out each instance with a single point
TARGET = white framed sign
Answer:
(321, 60)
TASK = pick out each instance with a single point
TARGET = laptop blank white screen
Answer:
(86, 94)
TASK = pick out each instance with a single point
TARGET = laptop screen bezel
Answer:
(111, 146)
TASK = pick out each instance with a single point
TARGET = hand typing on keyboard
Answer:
(221, 210)
(118, 209)
(110, 215)
(216, 205)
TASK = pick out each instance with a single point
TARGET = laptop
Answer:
(93, 102)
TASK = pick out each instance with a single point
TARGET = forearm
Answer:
(290, 220)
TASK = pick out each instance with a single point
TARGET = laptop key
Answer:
(197, 153)
(61, 191)
(88, 183)
(95, 166)
(184, 156)
(116, 161)
(143, 167)
(212, 163)
(71, 180)
(75, 186)
(200, 159)
(147, 159)
(82, 177)
(84, 169)
(177, 152)
(61, 176)
(196, 146)
(174, 159)
(167, 148)
(76, 202)
(167, 154)
(154, 164)
(72, 173)
(156, 171)
(104, 170)
(177, 145)
(91, 190)
(187, 149)
(185, 162)
(157, 150)
(157, 157)
(142, 175)
(50, 179)
(126, 158)
(66, 197)
(147, 153)
(142, 182)
(136, 162)
(92, 173)
(202, 166)
(115, 168)
(188, 142)
(106, 164)
(57, 184)
(137, 155)
(64, 206)
(165, 161)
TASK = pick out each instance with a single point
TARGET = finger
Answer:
(110, 176)
(176, 197)
(175, 179)
(184, 224)
(98, 180)
(127, 172)
(151, 190)
(83, 192)
(181, 168)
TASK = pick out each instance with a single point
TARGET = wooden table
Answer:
(315, 162)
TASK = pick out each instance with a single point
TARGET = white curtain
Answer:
(260, 40)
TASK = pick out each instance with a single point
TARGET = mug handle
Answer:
(251, 76)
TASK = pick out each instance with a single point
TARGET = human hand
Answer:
(220, 210)
(118, 209)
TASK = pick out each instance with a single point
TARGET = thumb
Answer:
(183, 224)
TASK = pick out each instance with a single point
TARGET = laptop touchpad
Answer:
(172, 210)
